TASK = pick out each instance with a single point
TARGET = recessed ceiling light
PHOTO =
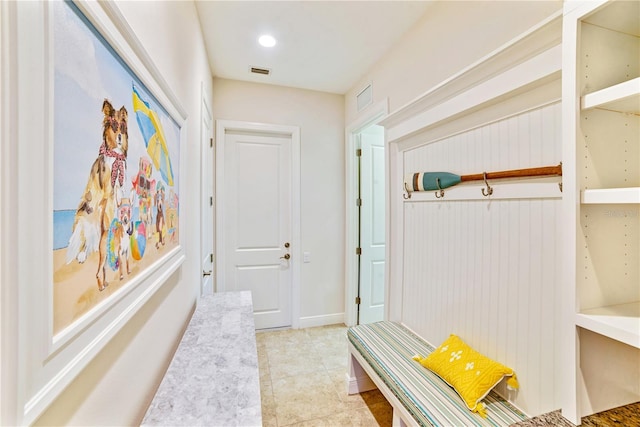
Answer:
(267, 41)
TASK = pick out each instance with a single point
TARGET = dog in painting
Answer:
(159, 201)
(103, 193)
(122, 234)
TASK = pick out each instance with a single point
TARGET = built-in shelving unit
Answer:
(601, 164)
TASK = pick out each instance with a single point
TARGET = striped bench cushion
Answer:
(388, 348)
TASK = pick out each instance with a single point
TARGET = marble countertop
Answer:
(213, 379)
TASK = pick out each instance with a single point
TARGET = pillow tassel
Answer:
(481, 410)
(418, 358)
(512, 382)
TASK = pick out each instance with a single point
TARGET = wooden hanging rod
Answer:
(515, 173)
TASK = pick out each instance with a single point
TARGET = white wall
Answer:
(117, 385)
(320, 117)
(450, 36)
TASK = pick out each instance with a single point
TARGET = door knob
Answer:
(286, 256)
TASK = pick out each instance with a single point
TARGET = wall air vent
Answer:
(364, 98)
(258, 70)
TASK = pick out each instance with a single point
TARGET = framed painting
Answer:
(104, 150)
(116, 174)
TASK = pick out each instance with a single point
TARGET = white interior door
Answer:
(258, 223)
(372, 225)
(207, 209)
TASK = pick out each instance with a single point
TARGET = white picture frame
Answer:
(48, 360)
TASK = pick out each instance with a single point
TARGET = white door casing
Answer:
(258, 216)
(206, 199)
(370, 116)
(372, 225)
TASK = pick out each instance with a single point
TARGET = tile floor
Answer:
(302, 381)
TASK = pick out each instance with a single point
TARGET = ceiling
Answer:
(322, 45)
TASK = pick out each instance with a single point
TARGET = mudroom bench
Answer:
(380, 356)
(213, 378)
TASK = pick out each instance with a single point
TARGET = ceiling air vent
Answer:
(258, 70)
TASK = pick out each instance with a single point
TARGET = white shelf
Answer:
(611, 196)
(619, 322)
(623, 97)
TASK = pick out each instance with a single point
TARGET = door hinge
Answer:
(359, 152)
(210, 200)
(358, 300)
(211, 142)
(358, 201)
(358, 251)
(211, 258)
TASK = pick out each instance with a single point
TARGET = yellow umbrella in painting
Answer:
(153, 135)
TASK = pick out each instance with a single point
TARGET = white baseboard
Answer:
(323, 320)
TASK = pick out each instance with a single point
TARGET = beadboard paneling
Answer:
(525, 140)
(488, 269)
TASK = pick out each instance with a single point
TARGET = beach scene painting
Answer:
(116, 157)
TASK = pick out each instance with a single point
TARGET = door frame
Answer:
(206, 178)
(222, 127)
(9, 301)
(372, 116)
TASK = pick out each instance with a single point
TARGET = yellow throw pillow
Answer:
(470, 373)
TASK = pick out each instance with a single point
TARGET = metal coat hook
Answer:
(408, 195)
(560, 183)
(489, 189)
(439, 189)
